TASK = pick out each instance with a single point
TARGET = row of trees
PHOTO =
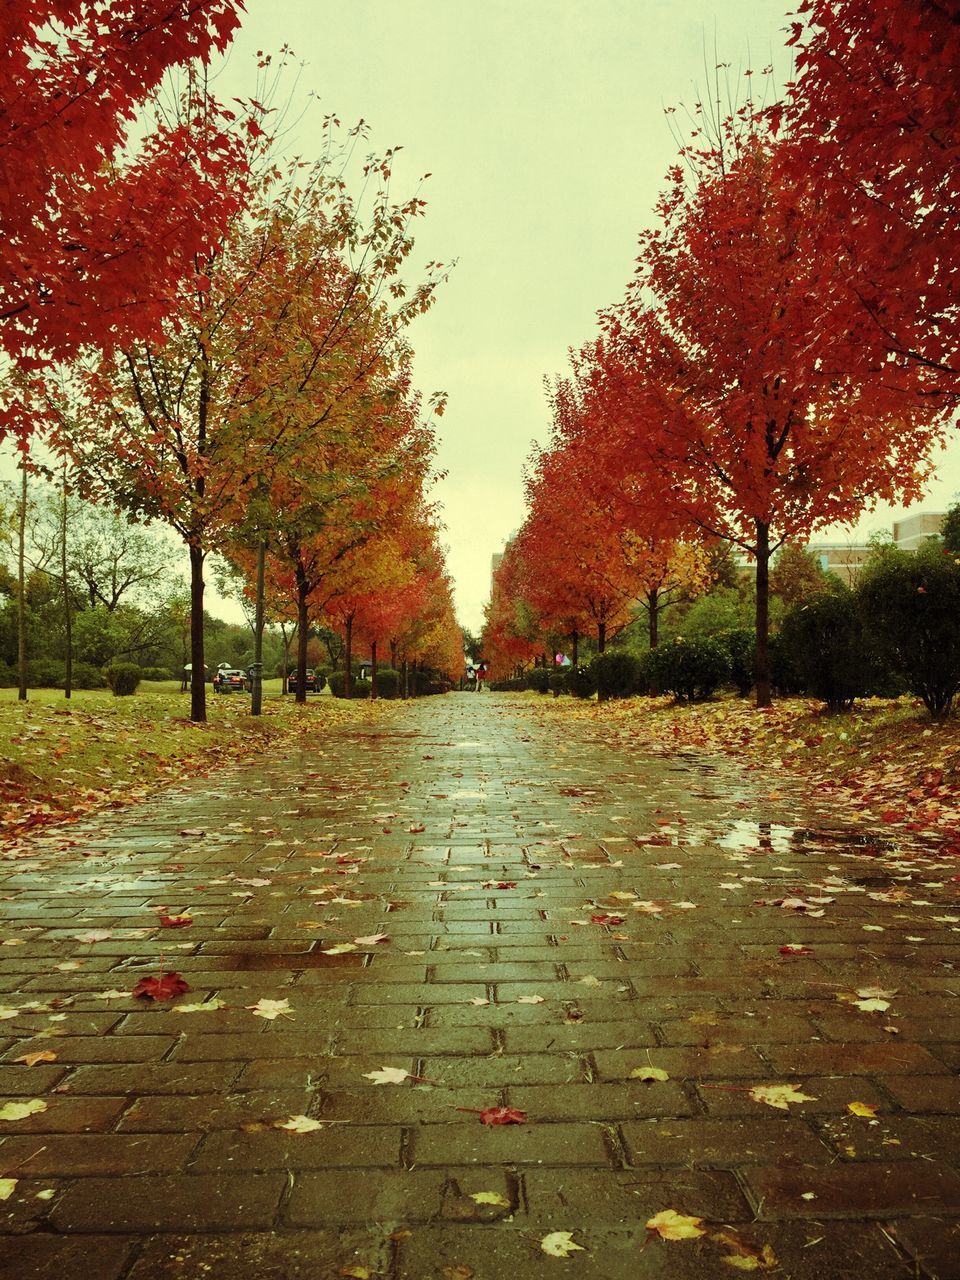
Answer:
(248, 388)
(787, 353)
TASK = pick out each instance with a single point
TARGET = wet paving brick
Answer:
(571, 914)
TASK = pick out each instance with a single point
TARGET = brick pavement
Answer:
(156, 1153)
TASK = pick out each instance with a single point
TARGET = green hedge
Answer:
(692, 670)
(123, 678)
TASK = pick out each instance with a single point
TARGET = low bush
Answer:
(741, 646)
(617, 674)
(692, 670)
(539, 680)
(508, 686)
(46, 673)
(84, 675)
(123, 678)
(388, 682)
(558, 683)
(580, 682)
(158, 673)
(337, 682)
(823, 643)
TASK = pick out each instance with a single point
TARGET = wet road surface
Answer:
(509, 914)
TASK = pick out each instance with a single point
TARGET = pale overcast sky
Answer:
(542, 124)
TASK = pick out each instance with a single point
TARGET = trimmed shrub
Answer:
(692, 670)
(84, 675)
(558, 683)
(123, 678)
(617, 674)
(337, 680)
(361, 688)
(539, 679)
(580, 682)
(508, 686)
(158, 673)
(741, 646)
(910, 602)
(388, 682)
(822, 641)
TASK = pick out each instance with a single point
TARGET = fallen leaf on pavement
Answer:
(648, 1073)
(21, 1110)
(7, 1187)
(560, 1244)
(299, 1124)
(530, 999)
(208, 1006)
(387, 1075)
(175, 922)
(338, 949)
(270, 1009)
(165, 987)
(779, 1095)
(490, 1197)
(670, 1225)
(372, 939)
(41, 1055)
(867, 1109)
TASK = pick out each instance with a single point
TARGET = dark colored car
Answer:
(312, 683)
(228, 680)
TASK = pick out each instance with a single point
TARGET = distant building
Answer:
(846, 559)
(495, 562)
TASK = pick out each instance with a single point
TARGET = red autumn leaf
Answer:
(502, 1115)
(790, 950)
(175, 922)
(165, 987)
(607, 919)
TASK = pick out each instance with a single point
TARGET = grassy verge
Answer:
(884, 763)
(61, 759)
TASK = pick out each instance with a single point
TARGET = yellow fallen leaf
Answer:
(21, 1110)
(7, 1187)
(779, 1095)
(357, 1273)
(560, 1244)
(868, 1109)
(40, 1055)
(387, 1075)
(270, 1009)
(490, 1197)
(299, 1124)
(339, 949)
(648, 1073)
(670, 1225)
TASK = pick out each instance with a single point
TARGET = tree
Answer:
(96, 230)
(797, 575)
(950, 529)
(873, 129)
(720, 386)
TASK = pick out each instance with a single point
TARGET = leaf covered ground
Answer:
(885, 763)
(60, 760)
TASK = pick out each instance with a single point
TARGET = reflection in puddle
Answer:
(744, 834)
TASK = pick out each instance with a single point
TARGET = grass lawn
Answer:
(61, 758)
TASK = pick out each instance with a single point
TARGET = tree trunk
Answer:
(576, 647)
(256, 683)
(22, 588)
(653, 606)
(348, 658)
(601, 637)
(65, 583)
(763, 614)
(373, 668)
(405, 679)
(198, 670)
(393, 654)
(302, 628)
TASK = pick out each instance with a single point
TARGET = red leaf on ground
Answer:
(502, 1115)
(789, 950)
(607, 919)
(165, 987)
(175, 922)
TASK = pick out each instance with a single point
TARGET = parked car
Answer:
(227, 680)
(312, 682)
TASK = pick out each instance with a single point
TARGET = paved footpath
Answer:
(559, 917)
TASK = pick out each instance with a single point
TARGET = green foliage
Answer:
(46, 673)
(691, 669)
(508, 686)
(388, 682)
(741, 646)
(910, 604)
(337, 681)
(539, 679)
(558, 683)
(158, 673)
(797, 575)
(123, 678)
(84, 675)
(580, 682)
(617, 674)
(822, 642)
(950, 529)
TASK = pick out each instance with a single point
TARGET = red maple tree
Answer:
(94, 230)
